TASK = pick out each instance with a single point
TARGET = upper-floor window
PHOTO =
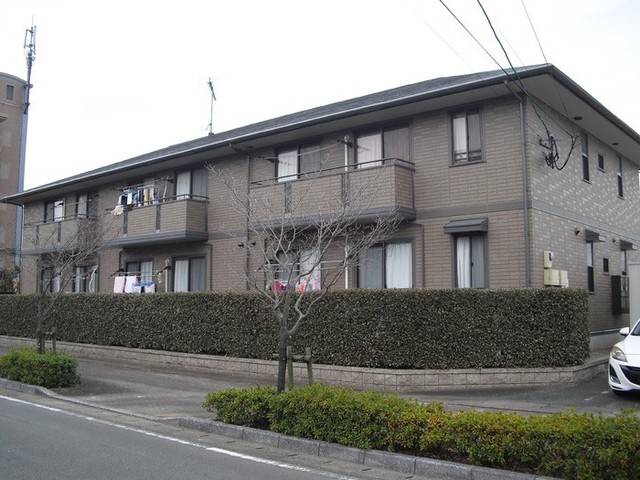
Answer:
(620, 191)
(9, 92)
(623, 262)
(387, 265)
(298, 161)
(601, 162)
(192, 184)
(467, 136)
(584, 140)
(389, 142)
(54, 211)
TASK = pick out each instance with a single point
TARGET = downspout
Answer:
(247, 264)
(525, 197)
(346, 248)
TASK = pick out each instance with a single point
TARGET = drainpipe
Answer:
(525, 197)
(247, 264)
(346, 248)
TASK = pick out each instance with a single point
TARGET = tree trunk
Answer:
(282, 355)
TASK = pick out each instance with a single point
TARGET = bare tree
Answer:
(303, 237)
(63, 254)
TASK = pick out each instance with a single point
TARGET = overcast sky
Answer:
(116, 79)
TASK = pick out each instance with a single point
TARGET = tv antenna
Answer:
(30, 54)
(213, 98)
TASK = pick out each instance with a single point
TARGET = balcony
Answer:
(67, 234)
(171, 221)
(369, 191)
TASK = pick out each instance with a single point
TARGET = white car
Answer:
(624, 361)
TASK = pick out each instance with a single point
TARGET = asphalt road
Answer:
(45, 440)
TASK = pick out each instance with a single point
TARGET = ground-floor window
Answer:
(387, 265)
(470, 261)
(591, 284)
(189, 274)
(49, 280)
(84, 279)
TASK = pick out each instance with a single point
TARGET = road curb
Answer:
(397, 462)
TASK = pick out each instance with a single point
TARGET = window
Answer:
(585, 156)
(389, 142)
(143, 269)
(85, 205)
(9, 92)
(470, 261)
(49, 280)
(601, 162)
(590, 275)
(84, 279)
(298, 162)
(389, 265)
(623, 262)
(189, 274)
(467, 138)
(620, 191)
(302, 266)
(605, 265)
(54, 211)
(192, 184)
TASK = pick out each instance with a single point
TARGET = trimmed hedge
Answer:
(47, 369)
(455, 328)
(568, 445)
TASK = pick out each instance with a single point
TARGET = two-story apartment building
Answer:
(11, 163)
(488, 173)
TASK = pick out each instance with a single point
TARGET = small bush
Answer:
(47, 369)
(367, 419)
(241, 406)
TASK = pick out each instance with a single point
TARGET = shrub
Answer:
(367, 419)
(567, 445)
(241, 406)
(439, 329)
(47, 369)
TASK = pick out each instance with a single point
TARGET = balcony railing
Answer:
(178, 219)
(368, 190)
(64, 234)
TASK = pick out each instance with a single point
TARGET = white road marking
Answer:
(221, 451)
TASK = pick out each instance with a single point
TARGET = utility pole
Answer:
(30, 54)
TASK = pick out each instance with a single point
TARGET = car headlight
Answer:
(618, 354)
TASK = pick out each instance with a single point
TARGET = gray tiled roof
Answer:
(406, 93)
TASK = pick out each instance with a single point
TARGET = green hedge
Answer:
(455, 328)
(567, 445)
(47, 369)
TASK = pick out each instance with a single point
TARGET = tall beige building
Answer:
(12, 91)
